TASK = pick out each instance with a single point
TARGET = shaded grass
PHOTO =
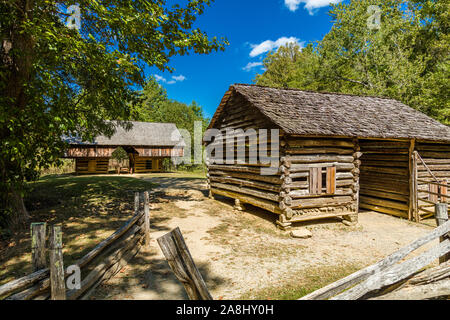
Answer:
(302, 284)
(90, 208)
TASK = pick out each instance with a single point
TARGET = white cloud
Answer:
(252, 65)
(310, 5)
(268, 45)
(179, 78)
(174, 79)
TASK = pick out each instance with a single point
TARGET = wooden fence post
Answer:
(137, 202)
(38, 256)
(441, 218)
(147, 218)
(180, 261)
(57, 284)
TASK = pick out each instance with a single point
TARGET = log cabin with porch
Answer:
(338, 154)
(147, 145)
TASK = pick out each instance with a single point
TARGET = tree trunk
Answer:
(19, 216)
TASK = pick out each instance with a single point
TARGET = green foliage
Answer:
(120, 155)
(405, 59)
(57, 81)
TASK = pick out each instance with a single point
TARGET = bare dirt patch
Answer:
(243, 254)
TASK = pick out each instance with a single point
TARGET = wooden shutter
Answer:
(315, 181)
(331, 180)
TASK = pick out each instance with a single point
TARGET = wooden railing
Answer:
(393, 278)
(426, 191)
(100, 264)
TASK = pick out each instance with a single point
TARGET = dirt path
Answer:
(243, 255)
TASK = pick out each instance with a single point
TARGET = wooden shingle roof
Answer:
(143, 134)
(331, 114)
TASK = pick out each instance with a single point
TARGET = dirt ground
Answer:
(242, 255)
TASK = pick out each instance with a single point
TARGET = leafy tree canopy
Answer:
(406, 58)
(55, 80)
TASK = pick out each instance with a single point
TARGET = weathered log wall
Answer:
(436, 169)
(320, 177)
(91, 165)
(147, 164)
(385, 176)
(242, 180)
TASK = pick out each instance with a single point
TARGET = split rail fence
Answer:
(395, 278)
(97, 266)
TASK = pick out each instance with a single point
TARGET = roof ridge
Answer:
(316, 92)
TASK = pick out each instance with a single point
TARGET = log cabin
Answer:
(147, 145)
(337, 154)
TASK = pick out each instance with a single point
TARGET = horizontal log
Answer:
(344, 175)
(246, 183)
(252, 192)
(433, 147)
(437, 174)
(322, 202)
(434, 167)
(345, 183)
(384, 151)
(242, 168)
(301, 194)
(401, 164)
(430, 161)
(382, 157)
(385, 188)
(306, 167)
(380, 194)
(320, 158)
(322, 150)
(435, 155)
(394, 171)
(260, 203)
(249, 176)
(393, 212)
(311, 217)
(384, 144)
(319, 143)
(383, 203)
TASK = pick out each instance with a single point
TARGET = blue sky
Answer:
(252, 27)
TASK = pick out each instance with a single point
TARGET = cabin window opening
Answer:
(322, 180)
(148, 164)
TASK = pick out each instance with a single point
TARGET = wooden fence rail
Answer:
(180, 261)
(100, 264)
(385, 276)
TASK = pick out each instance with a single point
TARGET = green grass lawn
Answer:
(90, 208)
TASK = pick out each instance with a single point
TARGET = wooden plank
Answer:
(180, 261)
(331, 180)
(319, 158)
(395, 273)
(38, 250)
(315, 181)
(441, 211)
(252, 192)
(147, 219)
(394, 212)
(23, 282)
(260, 203)
(361, 275)
(319, 142)
(321, 202)
(57, 284)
